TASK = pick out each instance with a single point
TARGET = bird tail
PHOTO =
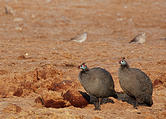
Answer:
(114, 94)
(149, 100)
(133, 40)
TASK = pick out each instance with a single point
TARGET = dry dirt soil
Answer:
(38, 62)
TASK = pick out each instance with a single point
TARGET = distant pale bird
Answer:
(164, 38)
(140, 38)
(80, 37)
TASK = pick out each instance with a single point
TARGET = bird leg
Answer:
(135, 105)
(139, 100)
(97, 104)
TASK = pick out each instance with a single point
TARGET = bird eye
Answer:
(123, 62)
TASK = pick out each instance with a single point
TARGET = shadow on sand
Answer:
(125, 98)
(91, 99)
(121, 96)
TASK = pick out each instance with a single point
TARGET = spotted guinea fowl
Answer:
(97, 82)
(135, 83)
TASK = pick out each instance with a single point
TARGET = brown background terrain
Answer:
(38, 66)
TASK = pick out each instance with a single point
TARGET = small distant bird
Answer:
(80, 37)
(140, 38)
(97, 82)
(9, 10)
(164, 38)
(135, 83)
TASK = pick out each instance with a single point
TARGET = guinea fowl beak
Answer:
(119, 61)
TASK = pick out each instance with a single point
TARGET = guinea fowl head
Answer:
(83, 67)
(143, 34)
(123, 63)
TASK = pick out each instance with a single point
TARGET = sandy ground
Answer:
(33, 39)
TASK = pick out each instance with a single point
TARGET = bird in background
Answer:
(140, 38)
(80, 37)
(163, 38)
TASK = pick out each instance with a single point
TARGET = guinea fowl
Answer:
(97, 82)
(135, 83)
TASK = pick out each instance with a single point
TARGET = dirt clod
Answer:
(18, 92)
(75, 98)
(12, 108)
